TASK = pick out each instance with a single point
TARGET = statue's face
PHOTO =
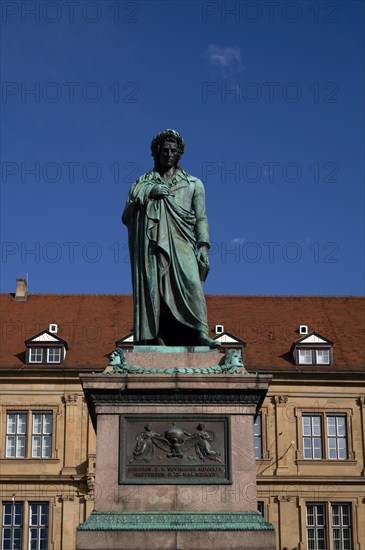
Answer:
(236, 360)
(168, 154)
(114, 358)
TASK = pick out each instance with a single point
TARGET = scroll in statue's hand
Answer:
(159, 190)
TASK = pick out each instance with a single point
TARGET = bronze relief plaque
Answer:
(174, 449)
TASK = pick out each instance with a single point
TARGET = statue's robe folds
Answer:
(163, 235)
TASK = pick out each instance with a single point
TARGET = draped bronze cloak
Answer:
(163, 234)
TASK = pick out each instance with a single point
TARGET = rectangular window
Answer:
(258, 437)
(312, 436)
(335, 515)
(54, 355)
(260, 507)
(341, 526)
(35, 355)
(38, 526)
(305, 357)
(42, 435)
(313, 356)
(336, 436)
(12, 526)
(16, 429)
(322, 356)
(316, 527)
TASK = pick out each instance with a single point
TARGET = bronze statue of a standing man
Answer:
(167, 224)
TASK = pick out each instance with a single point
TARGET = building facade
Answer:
(309, 435)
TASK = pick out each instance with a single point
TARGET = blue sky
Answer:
(268, 97)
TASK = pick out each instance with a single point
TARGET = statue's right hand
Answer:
(159, 190)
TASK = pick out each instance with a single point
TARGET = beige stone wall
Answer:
(65, 480)
(287, 481)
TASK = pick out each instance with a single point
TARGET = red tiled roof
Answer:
(92, 323)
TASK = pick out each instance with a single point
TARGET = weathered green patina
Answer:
(166, 220)
(231, 363)
(175, 521)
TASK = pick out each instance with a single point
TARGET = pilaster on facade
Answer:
(70, 514)
(361, 404)
(281, 434)
(71, 402)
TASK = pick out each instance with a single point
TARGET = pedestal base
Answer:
(175, 531)
(175, 461)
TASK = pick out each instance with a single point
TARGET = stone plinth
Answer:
(172, 514)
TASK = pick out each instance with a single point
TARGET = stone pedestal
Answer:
(175, 461)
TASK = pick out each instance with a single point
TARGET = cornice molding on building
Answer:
(310, 480)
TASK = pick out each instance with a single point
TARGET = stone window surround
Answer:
(324, 412)
(29, 410)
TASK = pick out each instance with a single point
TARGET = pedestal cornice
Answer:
(174, 389)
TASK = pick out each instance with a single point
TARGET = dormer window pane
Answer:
(53, 355)
(35, 355)
(305, 356)
(323, 356)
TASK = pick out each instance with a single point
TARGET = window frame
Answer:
(15, 434)
(12, 526)
(312, 437)
(43, 435)
(45, 349)
(307, 352)
(26, 526)
(265, 451)
(313, 349)
(261, 507)
(39, 526)
(36, 349)
(329, 527)
(258, 437)
(325, 437)
(54, 348)
(30, 413)
(336, 437)
(316, 527)
(341, 527)
(328, 350)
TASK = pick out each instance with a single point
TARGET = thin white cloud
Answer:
(226, 60)
(238, 240)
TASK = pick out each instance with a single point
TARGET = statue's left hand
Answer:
(203, 254)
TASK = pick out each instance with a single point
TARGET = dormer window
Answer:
(54, 355)
(228, 341)
(313, 356)
(126, 343)
(313, 349)
(35, 355)
(46, 348)
(322, 356)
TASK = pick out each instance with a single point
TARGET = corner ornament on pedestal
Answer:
(231, 363)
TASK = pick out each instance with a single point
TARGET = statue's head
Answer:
(233, 357)
(170, 136)
(232, 360)
(117, 358)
